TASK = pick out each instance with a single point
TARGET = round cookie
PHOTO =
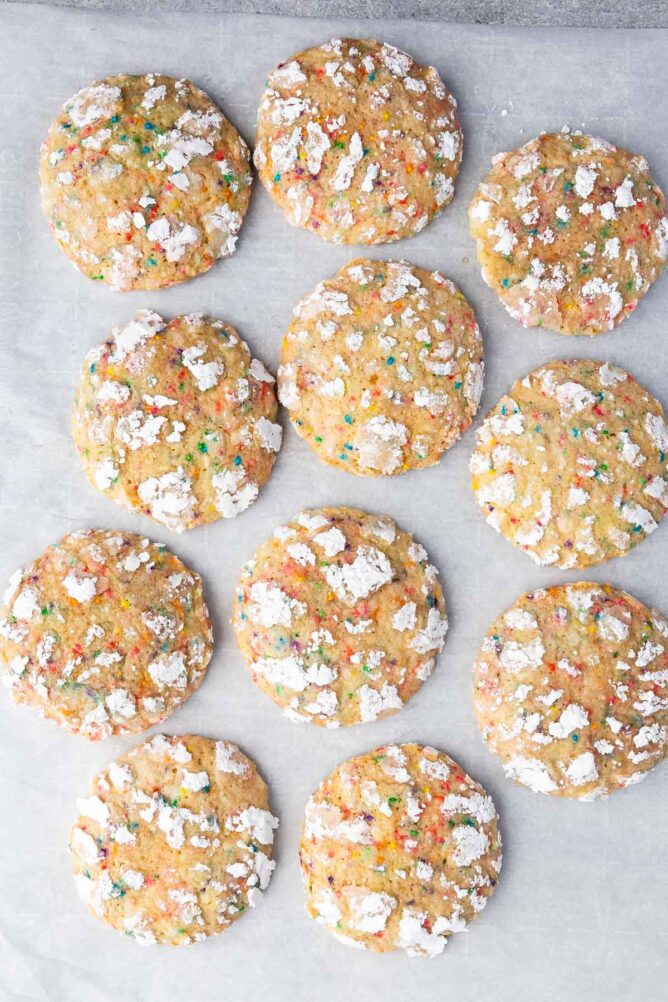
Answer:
(106, 633)
(340, 617)
(176, 420)
(572, 465)
(358, 143)
(399, 849)
(144, 181)
(382, 367)
(174, 843)
(571, 232)
(570, 690)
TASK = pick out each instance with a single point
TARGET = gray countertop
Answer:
(532, 13)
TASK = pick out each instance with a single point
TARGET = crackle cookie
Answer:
(571, 232)
(358, 143)
(144, 181)
(572, 465)
(382, 367)
(400, 849)
(176, 420)
(106, 633)
(340, 617)
(174, 842)
(571, 690)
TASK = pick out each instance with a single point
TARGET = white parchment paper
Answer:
(582, 908)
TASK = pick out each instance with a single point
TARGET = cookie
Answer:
(572, 465)
(106, 633)
(571, 232)
(174, 842)
(358, 143)
(571, 690)
(400, 849)
(382, 367)
(144, 181)
(176, 420)
(339, 617)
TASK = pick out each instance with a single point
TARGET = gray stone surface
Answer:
(560, 13)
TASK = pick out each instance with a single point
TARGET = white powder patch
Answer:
(194, 781)
(205, 374)
(573, 717)
(374, 702)
(169, 670)
(170, 498)
(332, 541)
(368, 910)
(80, 587)
(369, 571)
(470, 844)
(233, 493)
(346, 166)
(582, 769)
(405, 617)
(530, 772)
(270, 606)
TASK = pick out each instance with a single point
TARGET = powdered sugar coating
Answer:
(589, 715)
(106, 633)
(176, 420)
(571, 232)
(400, 849)
(320, 617)
(356, 142)
(572, 464)
(382, 367)
(144, 181)
(181, 847)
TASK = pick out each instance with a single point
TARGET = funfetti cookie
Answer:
(572, 464)
(400, 849)
(571, 231)
(382, 367)
(571, 690)
(339, 617)
(144, 181)
(174, 842)
(357, 142)
(176, 420)
(105, 633)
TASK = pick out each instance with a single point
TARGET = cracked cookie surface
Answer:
(174, 842)
(105, 633)
(399, 850)
(339, 617)
(382, 367)
(571, 231)
(571, 690)
(356, 142)
(144, 182)
(176, 420)
(572, 464)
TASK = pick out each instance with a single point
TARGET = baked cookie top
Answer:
(571, 690)
(572, 464)
(382, 367)
(105, 633)
(400, 849)
(174, 842)
(144, 181)
(357, 142)
(339, 616)
(176, 420)
(571, 232)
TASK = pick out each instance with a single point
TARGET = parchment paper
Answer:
(582, 906)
